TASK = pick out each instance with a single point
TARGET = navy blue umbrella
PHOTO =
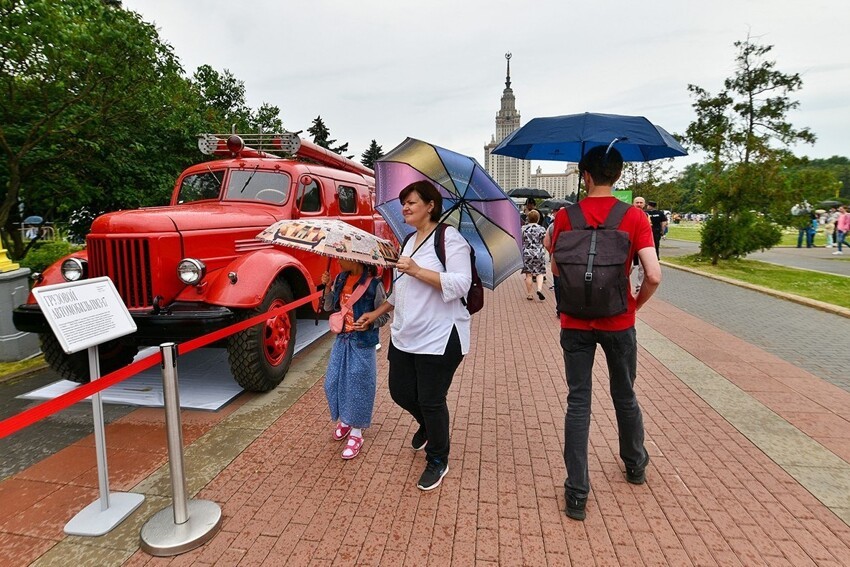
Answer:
(567, 138)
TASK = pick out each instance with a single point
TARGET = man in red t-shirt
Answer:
(600, 168)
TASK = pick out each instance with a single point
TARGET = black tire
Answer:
(261, 355)
(113, 355)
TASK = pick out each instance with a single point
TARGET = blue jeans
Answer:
(841, 238)
(620, 349)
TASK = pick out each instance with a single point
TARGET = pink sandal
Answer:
(352, 447)
(341, 431)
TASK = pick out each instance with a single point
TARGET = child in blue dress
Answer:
(350, 380)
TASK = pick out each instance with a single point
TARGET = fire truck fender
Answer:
(254, 274)
(53, 273)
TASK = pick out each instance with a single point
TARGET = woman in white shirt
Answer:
(430, 328)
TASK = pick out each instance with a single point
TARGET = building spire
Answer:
(508, 77)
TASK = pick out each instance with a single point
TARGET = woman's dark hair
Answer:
(428, 193)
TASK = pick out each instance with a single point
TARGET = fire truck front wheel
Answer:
(113, 355)
(260, 356)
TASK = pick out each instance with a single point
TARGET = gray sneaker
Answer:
(435, 470)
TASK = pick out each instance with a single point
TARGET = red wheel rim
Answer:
(276, 335)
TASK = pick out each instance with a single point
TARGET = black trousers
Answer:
(419, 384)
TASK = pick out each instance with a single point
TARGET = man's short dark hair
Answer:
(652, 204)
(603, 164)
(428, 193)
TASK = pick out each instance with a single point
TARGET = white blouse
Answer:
(423, 316)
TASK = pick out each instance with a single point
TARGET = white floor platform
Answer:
(204, 377)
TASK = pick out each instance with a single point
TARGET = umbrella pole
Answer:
(321, 287)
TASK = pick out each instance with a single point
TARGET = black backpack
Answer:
(591, 265)
(474, 300)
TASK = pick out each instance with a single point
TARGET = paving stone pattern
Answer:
(712, 496)
(814, 340)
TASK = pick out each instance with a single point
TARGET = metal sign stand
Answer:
(186, 524)
(83, 314)
(109, 510)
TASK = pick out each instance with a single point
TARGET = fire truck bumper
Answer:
(181, 322)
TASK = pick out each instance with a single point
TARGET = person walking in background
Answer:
(636, 273)
(350, 379)
(430, 331)
(549, 245)
(842, 227)
(659, 222)
(827, 221)
(811, 231)
(533, 255)
(600, 169)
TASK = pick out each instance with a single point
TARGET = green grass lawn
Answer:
(9, 368)
(690, 230)
(828, 288)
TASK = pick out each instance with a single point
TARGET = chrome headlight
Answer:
(74, 269)
(191, 271)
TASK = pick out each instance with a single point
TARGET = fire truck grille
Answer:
(127, 263)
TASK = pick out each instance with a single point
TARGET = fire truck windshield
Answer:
(242, 185)
(252, 185)
(200, 186)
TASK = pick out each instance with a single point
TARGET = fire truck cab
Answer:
(194, 266)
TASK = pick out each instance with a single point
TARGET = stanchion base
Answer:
(161, 537)
(92, 521)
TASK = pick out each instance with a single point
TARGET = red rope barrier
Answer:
(30, 416)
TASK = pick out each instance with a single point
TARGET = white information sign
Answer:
(85, 313)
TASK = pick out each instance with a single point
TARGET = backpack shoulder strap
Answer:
(440, 243)
(577, 219)
(615, 215)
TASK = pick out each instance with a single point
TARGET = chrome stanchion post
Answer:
(186, 524)
(174, 432)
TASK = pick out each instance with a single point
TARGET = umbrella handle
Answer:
(321, 287)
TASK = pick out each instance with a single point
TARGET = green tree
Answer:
(322, 137)
(221, 100)
(267, 119)
(371, 155)
(649, 179)
(745, 132)
(81, 80)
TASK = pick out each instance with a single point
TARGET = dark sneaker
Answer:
(575, 507)
(435, 470)
(419, 439)
(637, 475)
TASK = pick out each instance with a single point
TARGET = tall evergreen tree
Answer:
(371, 155)
(322, 137)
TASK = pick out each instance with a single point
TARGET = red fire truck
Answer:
(194, 266)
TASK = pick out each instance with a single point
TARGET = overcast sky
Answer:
(435, 69)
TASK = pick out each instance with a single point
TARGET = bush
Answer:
(728, 236)
(45, 253)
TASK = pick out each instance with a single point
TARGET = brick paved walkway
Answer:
(750, 465)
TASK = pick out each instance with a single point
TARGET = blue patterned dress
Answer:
(350, 379)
